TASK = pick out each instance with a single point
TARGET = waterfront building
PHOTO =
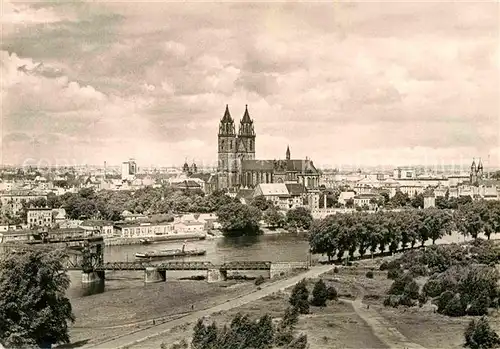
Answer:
(40, 217)
(287, 196)
(237, 166)
(98, 227)
(140, 230)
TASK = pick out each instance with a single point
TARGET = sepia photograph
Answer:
(207, 174)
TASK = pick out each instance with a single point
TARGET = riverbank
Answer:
(120, 241)
(348, 322)
(120, 311)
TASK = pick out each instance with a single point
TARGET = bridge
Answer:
(174, 265)
(87, 255)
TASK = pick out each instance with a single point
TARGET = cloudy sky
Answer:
(343, 83)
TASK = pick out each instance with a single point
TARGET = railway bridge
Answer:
(86, 254)
(156, 272)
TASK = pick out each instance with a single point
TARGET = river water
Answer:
(273, 247)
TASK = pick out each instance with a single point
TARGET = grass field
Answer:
(335, 326)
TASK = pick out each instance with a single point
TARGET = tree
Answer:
(319, 294)
(199, 334)
(265, 332)
(299, 217)
(400, 199)
(290, 318)
(479, 335)
(261, 203)
(273, 217)
(34, 309)
(300, 297)
(238, 219)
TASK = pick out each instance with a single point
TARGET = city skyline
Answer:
(412, 83)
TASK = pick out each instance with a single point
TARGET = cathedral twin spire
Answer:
(227, 124)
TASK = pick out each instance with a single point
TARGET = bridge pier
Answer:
(152, 274)
(216, 275)
(93, 277)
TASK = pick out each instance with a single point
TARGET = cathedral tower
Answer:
(246, 138)
(227, 148)
(473, 172)
(287, 152)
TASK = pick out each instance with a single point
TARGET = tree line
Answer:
(363, 232)
(109, 204)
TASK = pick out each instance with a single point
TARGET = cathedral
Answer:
(476, 172)
(238, 168)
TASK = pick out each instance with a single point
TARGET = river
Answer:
(273, 247)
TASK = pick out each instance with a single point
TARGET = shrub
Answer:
(320, 294)
(422, 299)
(411, 290)
(432, 288)
(405, 300)
(290, 318)
(391, 301)
(336, 270)
(259, 280)
(394, 264)
(479, 335)
(369, 274)
(331, 293)
(479, 305)
(418, 270)
(300, 297)
(443, 299)
(393, 274)
(398, 286)
(455, 307)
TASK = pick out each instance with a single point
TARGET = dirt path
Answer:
(381, 328)
(267, 289)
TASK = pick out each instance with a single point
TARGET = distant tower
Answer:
(480, 170)
(287, 152)
(473, 172)
(194, 168)
(185, 167)
(246, 138)
(227, 149)
(104, 169)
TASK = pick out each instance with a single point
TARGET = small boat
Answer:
(145, 241)
(171, 253)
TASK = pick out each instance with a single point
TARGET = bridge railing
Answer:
(176, 265)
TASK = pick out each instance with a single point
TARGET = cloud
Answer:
(108, 80)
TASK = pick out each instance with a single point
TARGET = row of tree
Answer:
(362, 232)
(109, 204)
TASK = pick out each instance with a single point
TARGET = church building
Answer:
(238, 168)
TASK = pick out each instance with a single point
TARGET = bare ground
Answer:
(121, 311)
